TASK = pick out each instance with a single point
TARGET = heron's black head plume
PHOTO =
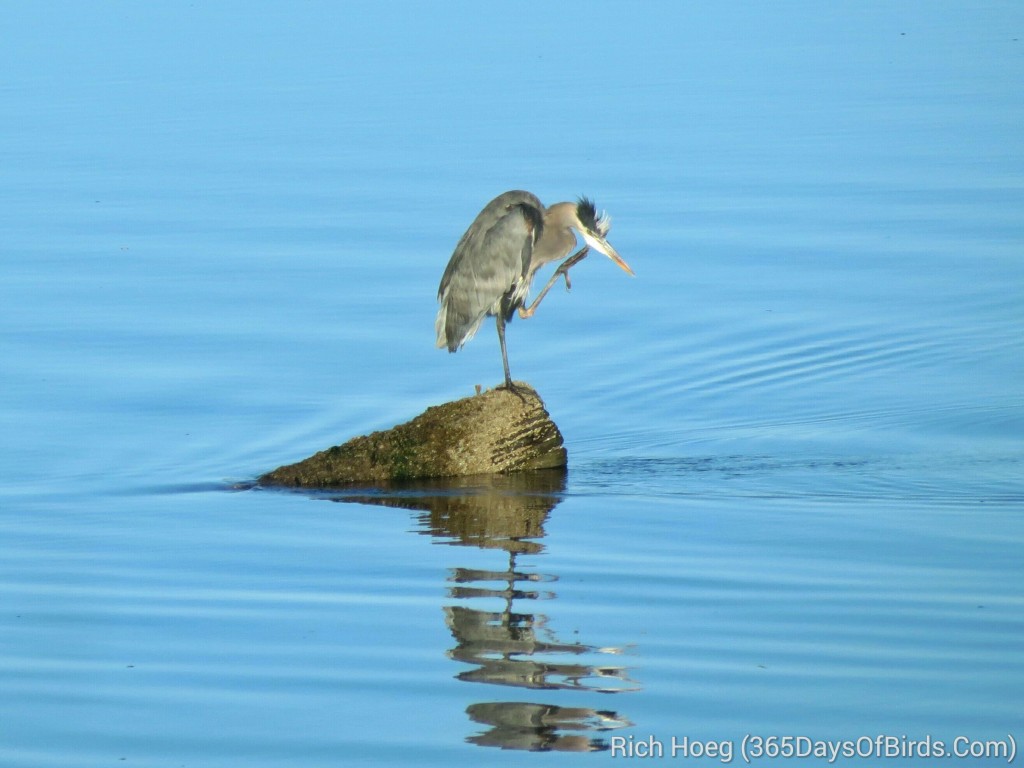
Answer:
(598, 223)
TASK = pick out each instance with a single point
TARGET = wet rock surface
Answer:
(496, 431)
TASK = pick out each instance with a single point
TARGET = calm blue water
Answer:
(795, 500)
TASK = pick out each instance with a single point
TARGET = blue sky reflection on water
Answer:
(795, 483)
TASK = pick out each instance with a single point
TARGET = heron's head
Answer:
(594, 227)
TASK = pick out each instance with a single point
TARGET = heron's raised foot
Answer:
(572, 261)
(563, 270)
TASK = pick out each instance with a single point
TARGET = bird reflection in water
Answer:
(506, 644)
(506, 648)
(541, 727)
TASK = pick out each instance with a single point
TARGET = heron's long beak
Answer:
(598, 243)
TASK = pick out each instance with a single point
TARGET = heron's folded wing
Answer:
(485, 273)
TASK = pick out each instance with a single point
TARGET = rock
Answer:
(494, 432)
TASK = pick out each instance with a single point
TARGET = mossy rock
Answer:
(496, 431)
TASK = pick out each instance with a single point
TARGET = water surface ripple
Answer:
(795, 490)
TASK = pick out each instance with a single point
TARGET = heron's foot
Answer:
(572, 261)
(508, 386)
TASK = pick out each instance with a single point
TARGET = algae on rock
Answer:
(495, 431)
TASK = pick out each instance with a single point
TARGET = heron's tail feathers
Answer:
(453, 330)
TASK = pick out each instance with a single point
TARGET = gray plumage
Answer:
(494, 262)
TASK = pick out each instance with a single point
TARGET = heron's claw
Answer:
(510, 387)
(563, 270)
(572, 261)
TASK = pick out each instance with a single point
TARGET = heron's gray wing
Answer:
(487, 267)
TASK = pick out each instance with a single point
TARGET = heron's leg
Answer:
(525, 312)
(504, 361)
(563, 270)
(504, 355)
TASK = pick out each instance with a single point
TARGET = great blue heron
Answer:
(494, 263)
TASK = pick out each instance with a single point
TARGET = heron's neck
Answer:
(556, 242)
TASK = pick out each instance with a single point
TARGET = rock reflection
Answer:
(502, 640)
(487, 511)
